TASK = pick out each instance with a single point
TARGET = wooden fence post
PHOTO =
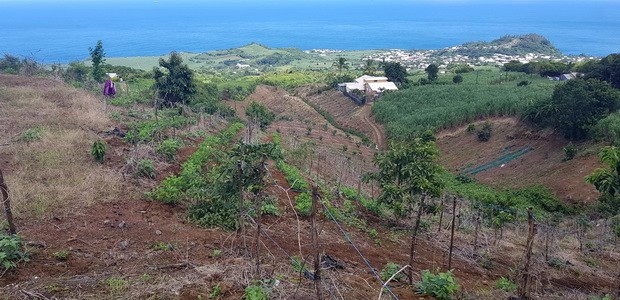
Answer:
(452, 232)
(476, 235)
(414, 236)
(6, 203)
(241, 231)
(524, 285)
(315, 244)
(441, 208)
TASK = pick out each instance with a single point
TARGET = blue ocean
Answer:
(62, 31)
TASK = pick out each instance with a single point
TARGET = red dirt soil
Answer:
(150, 247)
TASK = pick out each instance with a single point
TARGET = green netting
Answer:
(499, 161)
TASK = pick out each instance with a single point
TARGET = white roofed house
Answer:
(375, 89)
(371, 87)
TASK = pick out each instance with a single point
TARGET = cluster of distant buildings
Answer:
(420, 59)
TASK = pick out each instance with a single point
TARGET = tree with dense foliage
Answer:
(395, 72)
(432, 70)
(341, 64)
(259, 114)
(457, 79)
(607, 180)
(175, 84)
(607, 69)
(406, 170)
(97, 57)
(578, 105)
(370, 67)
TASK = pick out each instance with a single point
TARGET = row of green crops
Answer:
(431, 107)
(191, 182)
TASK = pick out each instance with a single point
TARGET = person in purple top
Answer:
(108, 88)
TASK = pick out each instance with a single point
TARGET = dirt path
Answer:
(378, 134)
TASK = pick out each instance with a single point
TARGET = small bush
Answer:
(31, 135)
(11, 251)
(303, 204)
(389, 270)
(457, 79)
(61, 255)
(569, 152)
(98, 150)
(484, 134)
(145, 168)
(506, 285)
(270, 209)
(168, 149)
(254, 292)
(441, 285)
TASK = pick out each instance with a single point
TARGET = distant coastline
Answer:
(131, 30)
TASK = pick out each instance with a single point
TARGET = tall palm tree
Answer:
(370, 67)
(341, 64)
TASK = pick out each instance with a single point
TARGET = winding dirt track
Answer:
(378, 134)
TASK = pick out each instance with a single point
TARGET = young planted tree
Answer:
(341, 64)
(408, 172)
(175, 83)
(97, 57)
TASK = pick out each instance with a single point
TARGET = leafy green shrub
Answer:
(457, 79)
(145, 168)
(11, 251)
(484, 134)
(293, 176)
(303, 204)
(389, 270)
(31, 135)
(569, 152)
(215, 292)
(98, 150)
(441, 285)
(270, 209)
(61, 255)
(254, 292)
(506, 285)
(168, 149)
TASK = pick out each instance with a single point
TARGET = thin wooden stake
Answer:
(315, 244)
(452, 232)
(414, 237)
(441, 208)
(6, 203)
(241, 231)
(524, 284)
(476, 235)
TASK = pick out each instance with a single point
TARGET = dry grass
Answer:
(53, 171)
